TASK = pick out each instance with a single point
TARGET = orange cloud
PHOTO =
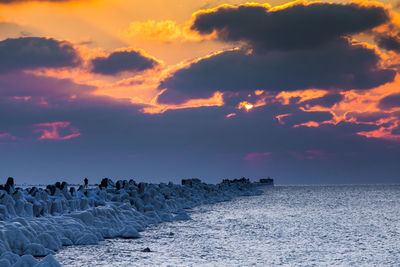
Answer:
(163, 31)
(230, 115)
(307, 124)
(286, 97)
(245, 105)
(215, 100)
(385, 131)
(281, 116)
(50, 130)
(352, 108)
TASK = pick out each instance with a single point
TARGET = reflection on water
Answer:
(287, 225)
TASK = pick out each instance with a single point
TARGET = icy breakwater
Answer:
(36, 222)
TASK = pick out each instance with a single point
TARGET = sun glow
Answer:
(246, 105)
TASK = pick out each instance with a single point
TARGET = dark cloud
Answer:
(116, 140)
(366, 117)
(36, 52)
(16, 86)
(120, 61)
(388, 42)
(297, 26)
(339, 64)
(390, 101)
(293, 47)
(396, 131)
(298, 117)
(327, 100)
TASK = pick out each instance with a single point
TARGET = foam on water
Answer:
(301, 225)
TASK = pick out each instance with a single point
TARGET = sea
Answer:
(329, 225)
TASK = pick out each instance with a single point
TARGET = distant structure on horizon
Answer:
(267, 181)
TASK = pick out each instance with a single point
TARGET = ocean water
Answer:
(287, 225)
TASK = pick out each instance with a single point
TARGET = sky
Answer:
(160, 90)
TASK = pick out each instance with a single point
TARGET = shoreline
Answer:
(37, 222)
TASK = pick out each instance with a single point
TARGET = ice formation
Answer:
(36, 222)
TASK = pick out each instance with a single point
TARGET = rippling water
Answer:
(287, 225)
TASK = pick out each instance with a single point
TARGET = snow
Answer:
(37, 222)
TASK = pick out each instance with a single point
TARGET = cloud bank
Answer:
(296, 46)
(36, 52)
(123, 61)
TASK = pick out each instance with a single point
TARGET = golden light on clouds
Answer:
(281, 116)
(245, 105)
(155, 108)
(163, 31)
(300, 95)
(355, 104)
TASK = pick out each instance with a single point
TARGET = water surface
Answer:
(287, 225)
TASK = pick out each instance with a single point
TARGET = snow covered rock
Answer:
(26, 261)
(48, 261)
(37, 250)
(36, 222)
(87, 239)
(129, 232)
(182, 216)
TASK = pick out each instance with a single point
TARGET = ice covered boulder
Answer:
(48, 261)
(165, 216)
(5, 263)
(182, 216)
(129, 232)
(152, 217)
(37, 250)
(39, 221)
(10, 257)
(87, 239)
(85, 216)
(14, 237)
(49, 240)
(26, 261)
(3, 212)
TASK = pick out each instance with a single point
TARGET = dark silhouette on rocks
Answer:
(63, 184)
(9, 184)
(242, 180)
(267, 181)
(118, 185)
(72, 191)
(104, 183)
(190, 182)
(51, 189)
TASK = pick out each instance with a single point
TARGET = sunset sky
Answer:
(160, 90)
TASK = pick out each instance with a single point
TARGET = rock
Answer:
(182, 216)
(26, 261)
(10, 257)
(5, 263)
(87, 239)
(37, 250)
(129, 233)
(146, 250)
(48, 261)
